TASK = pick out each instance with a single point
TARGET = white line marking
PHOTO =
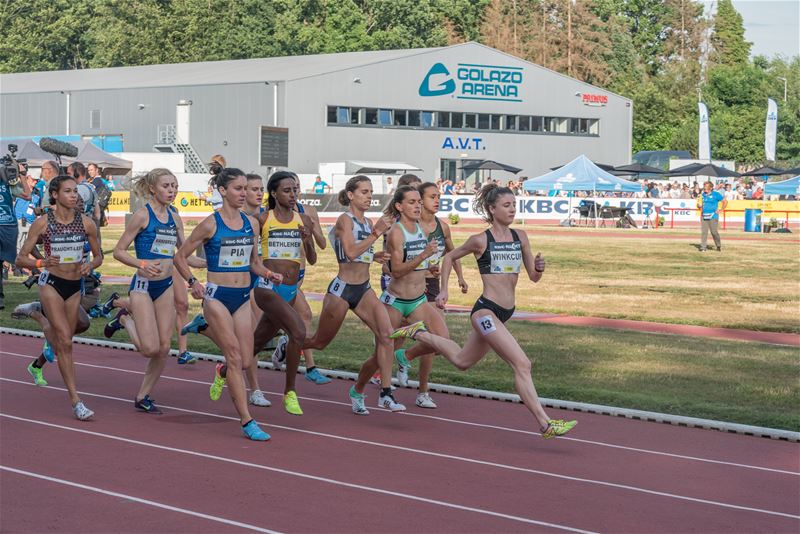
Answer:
(304, 475)
(469, 423)
(139, 500)
(448, 457)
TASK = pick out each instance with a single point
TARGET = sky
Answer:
(773, 26)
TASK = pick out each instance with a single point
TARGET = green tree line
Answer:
(662, 54)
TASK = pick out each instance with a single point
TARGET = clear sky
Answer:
(773, 26)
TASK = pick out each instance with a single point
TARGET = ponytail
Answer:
(272, 185)
(487, 197)
(350, 187)
(143, 185)
(224, 177)
(398, 197)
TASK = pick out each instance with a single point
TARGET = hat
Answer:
(218, 159)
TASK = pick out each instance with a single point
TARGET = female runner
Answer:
(500, 252)
(438, 231)
(228, 237)
(63, 231)
(410, 250)
(156, 232)
(285, 234)
(352, 239)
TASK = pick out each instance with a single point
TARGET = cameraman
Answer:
(10, 187)
(87, 194)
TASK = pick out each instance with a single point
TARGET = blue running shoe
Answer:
(47, 352)
(108, 306)
(197, 325)
(115, 324)
(252, 431)
(318, 378)
(146, 405)
(186, 357)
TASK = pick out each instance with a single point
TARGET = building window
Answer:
(94, 119)
(447, 120)
(385, 117)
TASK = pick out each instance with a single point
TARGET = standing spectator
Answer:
(320, 187)
(461, 188)
(86, 191)
(389, 186)
(675, 191)
(730, 193)
(212, 196)
(448, 187)
(104, 187)
(476, 187)
(709, 203)
(685, 193)
(8, 227)
(758, 194)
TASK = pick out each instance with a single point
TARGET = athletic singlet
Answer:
(360, 233)
(438, 235)
(64, 240)
(157, 239)
(228, 251)
(501, 257)
(281, 241)
(414, 244)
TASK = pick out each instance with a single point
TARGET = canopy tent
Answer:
(90, 153)
(765, 171)
(636, 169)
(27, 149)
(378, 167)
(581, 175)
(489, 165)
(785, 187)
(704, 169)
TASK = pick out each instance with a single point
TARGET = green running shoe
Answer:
(557, 427)
(36, 373)
(409, 331)
(219, 382)
(291, 404)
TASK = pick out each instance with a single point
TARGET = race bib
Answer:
(43, 277)
(211, 290)
(387, 298)
(140, 285)
(506, 258)
(368, 255)
(439, 254)
(68, 247)
(235, 251)
(337, 287)
(486, 324)
(284, 244)
(165, 241)
(413, 249)
(265, 283)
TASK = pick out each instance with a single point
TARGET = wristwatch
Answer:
(191, 281)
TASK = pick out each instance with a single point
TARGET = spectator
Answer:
(320, 187)
(476, 187)
(758, 194)
(448, 187)
(461, 187)
(709, 215)
(675, 191)
(8, 227)
(729, 193)
(389, 185)
(86, 192)
(685, 192)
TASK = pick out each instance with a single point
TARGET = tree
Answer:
(727, 39)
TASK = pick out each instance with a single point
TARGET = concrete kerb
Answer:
(599, 409)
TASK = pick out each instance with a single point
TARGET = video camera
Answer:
(9, 166)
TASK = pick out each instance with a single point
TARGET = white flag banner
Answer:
(771, 130)
(703, 140)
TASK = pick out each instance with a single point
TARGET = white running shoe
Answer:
(26, 310)
(279, 354)
(402, 375)
(357, 402)
(82, 412)
(424, 400)
(257, 398)
(388, 402)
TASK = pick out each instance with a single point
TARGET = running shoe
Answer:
(357, 401)
(403, 365)
(219, 382)
(108, 306)
(257, 398)
(424, 400)
(36, 373)
(409, 331)
(557, 427)
(388, 402)
(186, 357)
(82, 412)
(291, 405)
(47, 352)
(318, 378)
(26, 310)
(197, 325)
(279, 354)
(146, 405)
(376, 378)
(252, 431)
(115, 324)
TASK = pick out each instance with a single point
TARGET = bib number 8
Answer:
(387, 298)
(337, 287)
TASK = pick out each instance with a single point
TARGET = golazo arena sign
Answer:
(472, 81)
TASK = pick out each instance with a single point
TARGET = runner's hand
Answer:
(152, 269)
(430, 249)
(86, 268)
(51, 261)
(382, 225)
(441, 299)
(538, 262)
(197, 290)
(434, 269)
(276, 278)
(381, 257)
(463, 285)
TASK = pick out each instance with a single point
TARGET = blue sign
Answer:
(464, 143)
(475, 82)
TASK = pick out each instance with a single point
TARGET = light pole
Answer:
(784, 87)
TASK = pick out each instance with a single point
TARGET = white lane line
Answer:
(451, 457)
(155, 504)
(469, 423)
(306, 476)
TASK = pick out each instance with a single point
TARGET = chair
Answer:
(583, 214)
(606, 213)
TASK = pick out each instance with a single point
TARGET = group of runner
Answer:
(255, 257)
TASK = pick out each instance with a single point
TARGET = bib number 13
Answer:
(486, 324)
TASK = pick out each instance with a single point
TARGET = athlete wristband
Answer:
(38, 263)
(143, 265)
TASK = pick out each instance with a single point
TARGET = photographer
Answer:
(104, 187)
(10, 187)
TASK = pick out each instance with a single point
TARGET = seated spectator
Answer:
(758, 194)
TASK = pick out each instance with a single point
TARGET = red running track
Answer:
(470, 466)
